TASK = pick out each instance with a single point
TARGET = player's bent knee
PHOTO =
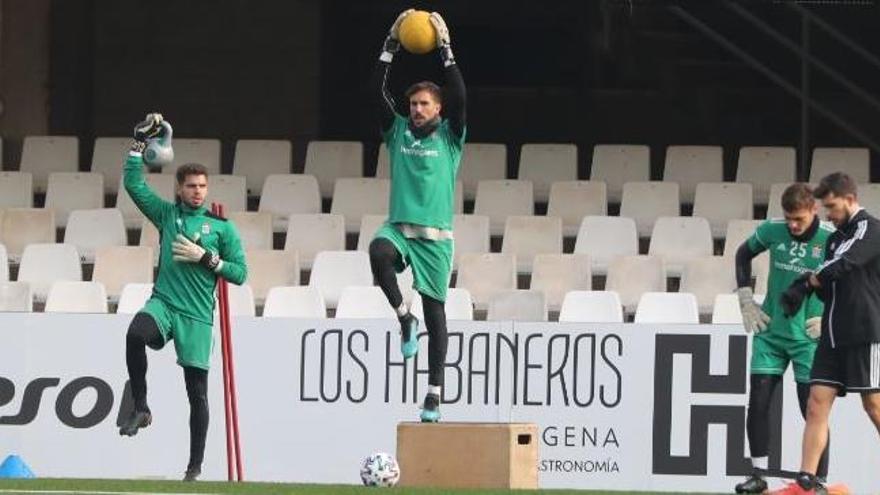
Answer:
(144, 330)
(382, 250)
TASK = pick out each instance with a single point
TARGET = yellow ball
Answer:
(417, 34)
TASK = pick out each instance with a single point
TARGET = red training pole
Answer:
(231, 364)
(222, 302)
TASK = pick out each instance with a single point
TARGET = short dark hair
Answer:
(838, 184)
(188, 169)
(797, 196)
(428, 86)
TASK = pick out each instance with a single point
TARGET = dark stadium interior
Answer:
(564, 71)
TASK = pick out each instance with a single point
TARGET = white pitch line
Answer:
(91, 492)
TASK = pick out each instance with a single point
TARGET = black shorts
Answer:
(850, 369)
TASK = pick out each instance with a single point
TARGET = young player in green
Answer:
(796, 245)
(195, 248)
(425, 151)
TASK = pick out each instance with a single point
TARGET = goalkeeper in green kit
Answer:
(196, 247)
(796, 245)
(425, 151)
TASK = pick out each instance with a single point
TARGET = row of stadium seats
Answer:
(283, 195)
(369, 302)
(543, 164)
(603, 238)
(484, 275)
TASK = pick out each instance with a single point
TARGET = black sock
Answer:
(438, 339)
(197, 392)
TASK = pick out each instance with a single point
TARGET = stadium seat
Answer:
(310, 234)
(76, 297)
(269, 268)
(256, 159)
(370, 224)
(869, 198)
(4, 264)
(203, 151)
(43, 264)
(284, 195)
(336, 270)
(720, 202)
(383, 163)
(16, 190)
(761, 272)
(133, 298)
(774, 204)
(23, 226)
(738, 231)
(118, 266)
(517, 305)
(499, 199)
(524, 237)
(331, 160)
(484, 275)
(479, 162)
(89, 230)
(707, 277)
(726, 310)
(645, 202)
(16, 297)
(690, 165)
(150, 238)
(573, 200)
(606, 238)
(591, 306)
(459, 305)
(164, 185)
(108, 156)
(354, 197)
(41, 155)
(632, 276)
(667, 307)
(68, 191)
(557, 274)
(228, 190)
(254, 228)
(241, 301)
(364, 302)
(617, 164)
(295, 302)
(678, 239)
(544, 164)
(471, 235)
(853, 161)
(762, 166)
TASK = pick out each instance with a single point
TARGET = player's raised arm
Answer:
(454, 97)
(386, 107)
(143, 196)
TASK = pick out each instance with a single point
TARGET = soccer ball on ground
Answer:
(380, 469)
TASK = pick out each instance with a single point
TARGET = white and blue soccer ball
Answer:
(380, 469)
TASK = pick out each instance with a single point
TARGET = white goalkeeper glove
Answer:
(814, 327)
(187, 251)
(443, 39)
(754, 318)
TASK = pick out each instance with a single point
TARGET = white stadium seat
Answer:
(645, 202)
(517, 305)
(16, 190)
(544, 164)
(667, 307)
(42, 155)
(499, 199)
(295, 302)
(333, 271)
(108, 156)
(287, 194)
(89, 230)
(44, 264)
(720, 202)
(617, 164)
(484, 275)
(762, 166)
(632, 276)
(76, 297)
(331, 160)
(527, 236)
(606, 238)
(459, 305)
(479, 162)
(256, 159)
(133, 298)
(557, 274)
(679, 239)
(364, 302)
(586, 306)
(690, 165)
(855, 162)
(573, 200)
(311, 234)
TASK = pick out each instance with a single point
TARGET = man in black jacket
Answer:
(848, 356)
